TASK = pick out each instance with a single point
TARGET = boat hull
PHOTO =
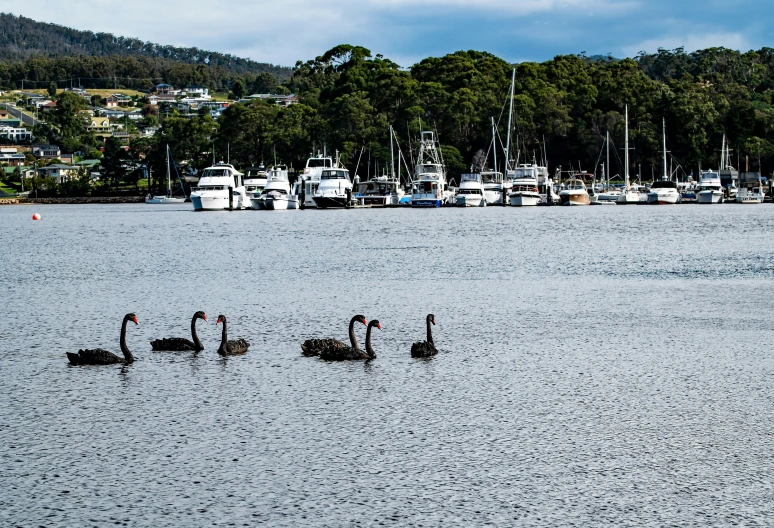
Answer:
(330, 202)
(209, 203)
(426, 202)
(574, 199)
(469, 200)
(663, 199)
(709, 197)
(519, 199)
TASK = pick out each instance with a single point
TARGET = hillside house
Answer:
(100, 126)
(198, 91)
(11, 156)
(280, 100)
(113, 100)
(14, 134)
(46, 151)
(60, 172)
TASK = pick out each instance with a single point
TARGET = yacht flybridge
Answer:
(220, 187)
(430, 188)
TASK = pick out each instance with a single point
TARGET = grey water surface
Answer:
(597, 366)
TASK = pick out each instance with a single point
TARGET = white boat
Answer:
(306, 186)
(255, 181)
(628, 194)
(379, 191)
(494, 187)
(276, 196)
(574, 193)
(664, 192)
(710, 188)
(334, 190)
(471, 191)
(220, 187)
(167, 198)
(524, 186)
(754, 195)
(429, 188)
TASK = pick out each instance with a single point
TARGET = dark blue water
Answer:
(600, 365)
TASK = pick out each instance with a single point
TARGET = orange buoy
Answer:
(36, 216)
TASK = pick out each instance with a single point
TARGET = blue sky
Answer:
(406, 31)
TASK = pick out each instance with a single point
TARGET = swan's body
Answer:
(426, 348)
(181, 343)
(233, 347)
(346, 353)
(313, 347)
(100, 356)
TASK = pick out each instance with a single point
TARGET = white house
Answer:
(14, 133)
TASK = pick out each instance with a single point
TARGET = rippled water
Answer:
(598, 365)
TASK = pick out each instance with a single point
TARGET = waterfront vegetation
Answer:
(348, 98)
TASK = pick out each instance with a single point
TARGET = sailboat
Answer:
(168, 198)
(664, 191)
(628, 195)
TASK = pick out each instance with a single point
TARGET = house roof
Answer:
(88, 163)
(163, 86)
(59, 166)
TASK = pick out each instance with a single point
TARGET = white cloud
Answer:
(691, 42)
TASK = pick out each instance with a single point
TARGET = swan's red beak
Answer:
(365, 322)
(379, 326)
(219, 321)
(204, 316)
(134, 319)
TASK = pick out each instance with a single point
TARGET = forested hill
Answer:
(22, 38)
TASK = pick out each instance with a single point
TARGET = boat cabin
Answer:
(663, 184)
(335, 174)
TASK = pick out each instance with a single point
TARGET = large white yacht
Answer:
(255, 181)
(430, 188)
(276, 195)
(220, 187)
(334, 190)
(471, 191)
(306, 186)
(524, 187)
(710, 188)
(574, 193)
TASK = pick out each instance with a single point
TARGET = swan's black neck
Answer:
(369, 350)
(352, 338)
(196, 341)
(125, 349)
(429, 332)
(224, 337)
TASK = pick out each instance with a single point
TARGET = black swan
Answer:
(99, 356)
(230, 348)
(313, 347)
(427, 348)
(346, 353)
(181, 343)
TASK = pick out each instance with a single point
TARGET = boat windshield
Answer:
(575, 184)
(471, 177)
(709, 188)
(431, 169)
(492, 177)
(427, 187)
(663, 185)
(319, 162)
(334, 175)
(210, 188)
(525, 173)
(215, 173)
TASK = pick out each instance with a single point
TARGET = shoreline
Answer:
(78, 200)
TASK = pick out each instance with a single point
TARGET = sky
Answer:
(406, 31)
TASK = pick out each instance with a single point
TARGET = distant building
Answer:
(46, 151)
(198, 91)
(50, 105)
(152, 99)
(11, 156)
(60, 172)
(100, 126)
(7, 119)
(113, 100)
(281, 100)
(15, 134)
(149, 131)
(164, 88)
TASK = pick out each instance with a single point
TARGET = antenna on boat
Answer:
(663, 131)
(228, 152)
(392, 156)
(494, 146)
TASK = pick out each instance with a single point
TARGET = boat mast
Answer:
(508, 135)
(663, 129)
(607, 163)
(169, 184)
(723, 153)
(626, 155)
(494, 145)
(392, 156)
